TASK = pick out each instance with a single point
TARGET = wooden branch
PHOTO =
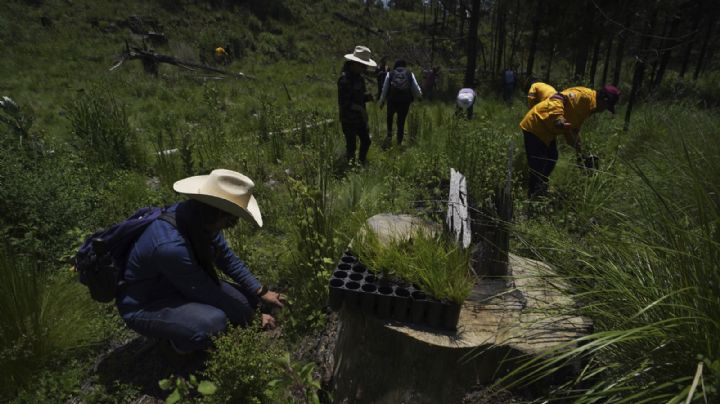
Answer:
(151, 59)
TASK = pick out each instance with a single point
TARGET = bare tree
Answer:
(472, 44)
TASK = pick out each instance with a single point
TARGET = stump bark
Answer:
(385, 361)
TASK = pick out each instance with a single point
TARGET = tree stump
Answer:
(389, 362)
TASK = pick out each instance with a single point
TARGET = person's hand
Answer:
(563, 124)
(267, 322)
(273, 298)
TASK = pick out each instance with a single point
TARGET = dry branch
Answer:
(151, 61)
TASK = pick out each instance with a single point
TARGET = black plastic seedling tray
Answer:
(359, 288)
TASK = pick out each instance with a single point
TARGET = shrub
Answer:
(102, 133)
(243, 364)
(41, 319)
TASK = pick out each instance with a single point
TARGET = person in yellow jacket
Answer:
(538, 92)
(561, 114)
(221, 56)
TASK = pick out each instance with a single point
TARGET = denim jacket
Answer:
(160, 266)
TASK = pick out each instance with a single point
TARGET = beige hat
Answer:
(227, 190)
(361, 55)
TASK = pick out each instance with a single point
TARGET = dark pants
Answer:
(541, 161)
(468, 112)
(508, 90)
(190, 325)
(353, 131)
(401, 109)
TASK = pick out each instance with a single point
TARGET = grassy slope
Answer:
(47, 68)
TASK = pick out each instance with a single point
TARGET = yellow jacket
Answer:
(575, 107)
(539, 92)
(219, 51)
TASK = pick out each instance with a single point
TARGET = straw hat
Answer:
(361, 55)
(226, 190)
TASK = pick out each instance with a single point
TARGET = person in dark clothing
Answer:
(399, 89)
(430, 81)
(380, 73)
(172, 289)
(352, 96)
(508, 84)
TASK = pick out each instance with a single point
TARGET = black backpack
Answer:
(400, 85)
(100, 261)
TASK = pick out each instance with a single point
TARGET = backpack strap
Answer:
(168, 217)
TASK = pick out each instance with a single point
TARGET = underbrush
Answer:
(44, 319)
(645, 271)
(637, 241)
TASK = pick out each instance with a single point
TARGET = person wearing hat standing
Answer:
(352, 96)
(172, 290)
(561, 114)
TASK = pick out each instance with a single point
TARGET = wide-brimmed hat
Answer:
(226, 190)
(611, 95)
(361, 55)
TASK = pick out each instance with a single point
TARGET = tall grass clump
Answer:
(41, 320)
(649, 279)
(432, 260)
(313, 233)
(478, 151)
(102, 133)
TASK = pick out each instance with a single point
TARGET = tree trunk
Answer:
(640, 64)
(472, 45)
(691, 42)
(534, 38)
(514, 41)
(620, 52)
(444, 19)
(584, 39)
(550, 60)
(667, 49)
(500, 35)
(703, 49)
(434, 33)
(593, 64)
(606, 65)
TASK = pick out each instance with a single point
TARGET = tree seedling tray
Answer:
(359, 288)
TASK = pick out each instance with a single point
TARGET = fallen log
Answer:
(151, 62)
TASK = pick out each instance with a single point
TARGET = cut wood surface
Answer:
(387, 361)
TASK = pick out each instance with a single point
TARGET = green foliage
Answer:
(466, 144)
(432, 261)
(102, 133)
(316, 245)
(183, 389)
(15, 118)
(243, 364)
(296, 380)
(645, 272)
(41, 319)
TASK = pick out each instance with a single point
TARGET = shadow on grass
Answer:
(142, 362)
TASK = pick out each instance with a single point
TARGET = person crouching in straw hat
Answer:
(172, 288)
(352, 97)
